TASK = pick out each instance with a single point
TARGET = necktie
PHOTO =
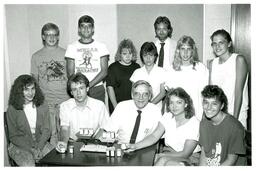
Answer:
(161, 55)
(136, 128)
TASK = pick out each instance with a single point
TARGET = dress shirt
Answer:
(124, 116)
(169, 51)
(93, 115)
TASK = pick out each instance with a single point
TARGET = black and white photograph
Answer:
(134, 83)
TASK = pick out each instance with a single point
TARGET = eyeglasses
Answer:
(138, 95)
(51, 35)
(221, 43)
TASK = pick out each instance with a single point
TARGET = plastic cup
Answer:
(123, 146)
(119, 152)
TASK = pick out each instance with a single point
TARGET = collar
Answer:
(87, 105)
(145, 70)
(80, 41)
(166, 41)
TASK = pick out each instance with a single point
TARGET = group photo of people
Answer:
(176, 76)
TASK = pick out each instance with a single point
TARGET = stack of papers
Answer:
(94, 148)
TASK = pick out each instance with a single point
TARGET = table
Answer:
(142, 157)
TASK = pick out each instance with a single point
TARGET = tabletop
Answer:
(142, 157)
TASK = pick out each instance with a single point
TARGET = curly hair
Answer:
(214, 91)
(128, 44)
(17, 99)
(181, 93)
(148, 47)
(177, 61)
(166, 21)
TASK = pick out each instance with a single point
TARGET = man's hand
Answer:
(130, 148)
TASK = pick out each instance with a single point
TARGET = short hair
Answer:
(126, 43)
(214, 91)
(77, 78)
(142, 82)
(148, 47)
(166, 21)
(47, 27)
(177, 61)
(50, 26)
(86, 19)
(225, 35)
(17, 99)
(181, 93)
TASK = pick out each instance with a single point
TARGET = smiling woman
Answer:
(29, 93)
(221, 135)
(188, 72)
(233, 66)
(28, 122)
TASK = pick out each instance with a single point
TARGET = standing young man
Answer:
(48, 68)
(89, 57)
(165, 45)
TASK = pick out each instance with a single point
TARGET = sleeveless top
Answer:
(224, 75)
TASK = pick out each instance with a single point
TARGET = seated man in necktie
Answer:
(133, 120)
(81, 111)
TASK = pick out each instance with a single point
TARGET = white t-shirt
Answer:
(175, 137)
(192, 81)
(155, 78)
(93, 115)
(124, 116)
(169, 51)
(87, 57)
(30, 112)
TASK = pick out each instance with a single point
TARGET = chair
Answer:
(160, 146)
(11, 161)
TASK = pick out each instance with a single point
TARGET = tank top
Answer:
(224, 75)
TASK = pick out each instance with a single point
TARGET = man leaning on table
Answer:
(81, 111)
(134, 119)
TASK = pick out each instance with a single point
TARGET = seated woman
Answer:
(181, 130)
(28, 122)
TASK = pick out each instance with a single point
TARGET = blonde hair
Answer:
(177, 61)
(126, 43)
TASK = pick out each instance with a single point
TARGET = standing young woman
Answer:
(230, 71)
(188, 72)
(28, 122)
(150, 72)
(118, 84)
